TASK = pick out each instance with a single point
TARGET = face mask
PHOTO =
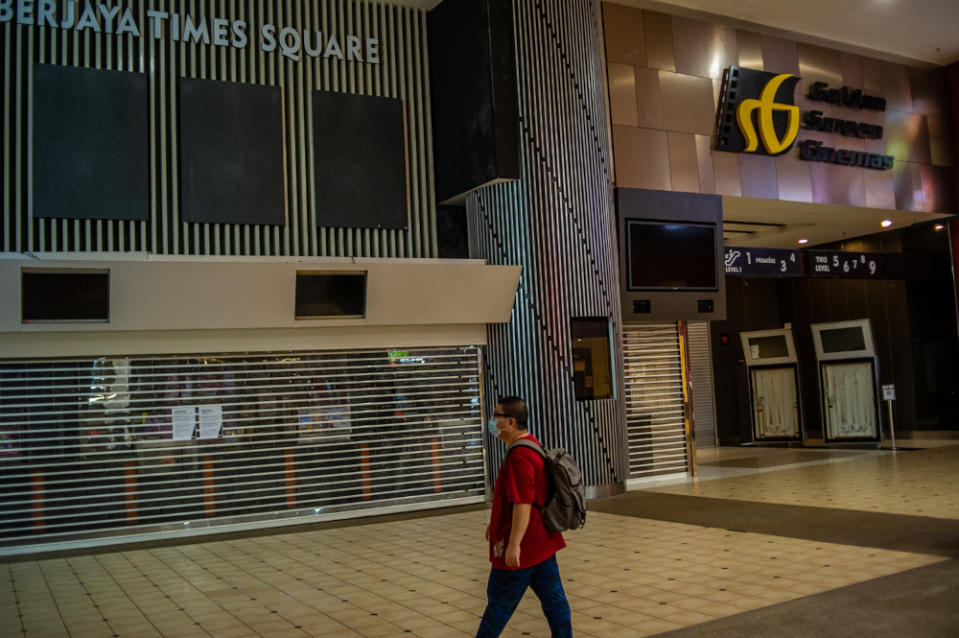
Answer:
(491, 426)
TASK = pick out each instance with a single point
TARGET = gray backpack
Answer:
(565, 506)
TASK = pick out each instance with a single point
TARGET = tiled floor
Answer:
(925, 484)
(625, 576)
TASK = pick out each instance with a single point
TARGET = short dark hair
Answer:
(515, 407)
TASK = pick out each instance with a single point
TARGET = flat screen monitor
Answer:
(671, 255)
(330, 295)
(67, 295)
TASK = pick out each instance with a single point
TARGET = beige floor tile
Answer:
(685, 566)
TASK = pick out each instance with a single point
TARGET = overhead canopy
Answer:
(772, 223)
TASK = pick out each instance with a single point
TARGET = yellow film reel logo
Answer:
(761, 106)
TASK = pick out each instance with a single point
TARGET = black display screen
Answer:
(770, 347)
(330, 295)
(64, 296)
(671, 256)
(842, 340)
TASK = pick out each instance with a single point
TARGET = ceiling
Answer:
(921, 32)
(772, 223)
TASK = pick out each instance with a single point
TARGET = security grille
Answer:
(701, 374)
(107, 446)
(655, 416)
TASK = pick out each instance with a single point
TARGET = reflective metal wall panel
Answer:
(642, 158)
(557, 222)
(624, 34)
(880, 189)
(779, 55)
(940, 150)
(688, 104)
(794, 179)
(851, 69)
(750, 49)
(622, 94)
(938, 188)
(703, 49)
(757, 175)
(908, 183)
(294, 63)
(683, 165)
(704, 161)
(658, 30)
(928, 90)
(834, 184)
(872, 76)
(648, 99)
(818, 64)
(726, 168)
(895, 87)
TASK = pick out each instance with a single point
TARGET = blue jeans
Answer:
(506, 588)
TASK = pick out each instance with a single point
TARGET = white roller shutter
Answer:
(701, 375)
(151, 444)
(655, 416)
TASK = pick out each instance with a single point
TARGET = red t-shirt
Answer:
(521, 479)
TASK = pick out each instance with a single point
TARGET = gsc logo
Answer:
(757, 113)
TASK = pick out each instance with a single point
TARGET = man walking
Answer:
(522, 550)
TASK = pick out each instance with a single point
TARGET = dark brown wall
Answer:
(763, 304)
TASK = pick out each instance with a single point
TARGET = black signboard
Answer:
(762, 262)
(834, 263)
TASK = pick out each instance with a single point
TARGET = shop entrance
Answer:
(848, 373)
(770, 357)
(775, 404)
(850, 400)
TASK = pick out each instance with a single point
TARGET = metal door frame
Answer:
(874, 363)
(799, 404)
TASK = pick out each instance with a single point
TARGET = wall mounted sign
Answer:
(834, 263)
(757, 114)
(293, 43)
(762, 262)
(761, 106)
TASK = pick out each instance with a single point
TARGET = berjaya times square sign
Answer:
(100, 18)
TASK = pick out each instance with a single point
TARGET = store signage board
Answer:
(834, 263)
(762, 262)
(294, 43)
(758, 114)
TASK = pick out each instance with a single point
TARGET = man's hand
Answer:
(512, 555)
(488, 531)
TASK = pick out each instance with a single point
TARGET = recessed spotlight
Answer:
(938, 227)
(803, 241)
(886, 223)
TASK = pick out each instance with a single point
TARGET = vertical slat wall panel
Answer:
(655, 411)
(402, 73)
(701, 374)
(299, 436)
(556, 222)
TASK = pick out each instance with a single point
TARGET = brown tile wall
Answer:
(664, 79)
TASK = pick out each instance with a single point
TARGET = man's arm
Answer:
(521, 513)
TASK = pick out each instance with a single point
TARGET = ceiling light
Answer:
(803, 240)
(886, 223)
(938, 227)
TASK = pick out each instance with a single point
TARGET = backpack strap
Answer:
(525, 442)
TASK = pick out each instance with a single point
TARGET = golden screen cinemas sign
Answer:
(758, 114)
(98, 17)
